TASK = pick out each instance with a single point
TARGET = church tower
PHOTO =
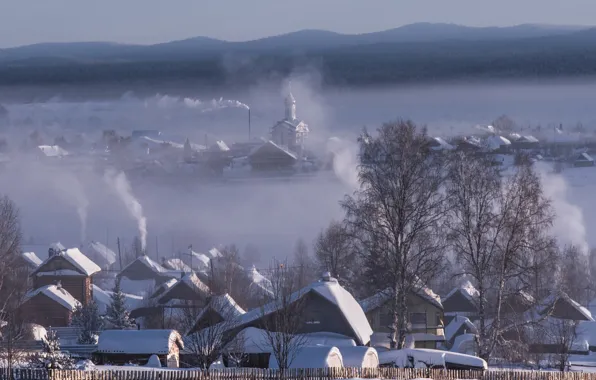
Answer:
(290, 106)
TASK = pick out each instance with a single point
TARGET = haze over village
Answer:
(408, 203)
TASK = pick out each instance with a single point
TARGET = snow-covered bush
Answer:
(51, 357)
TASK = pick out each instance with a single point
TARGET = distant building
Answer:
(290, 132)
(583, 160)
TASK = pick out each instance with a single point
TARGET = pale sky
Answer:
(149, 21)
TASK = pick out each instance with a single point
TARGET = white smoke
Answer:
(214, 104)
(569, 226)
(345, 161)
(119, 183)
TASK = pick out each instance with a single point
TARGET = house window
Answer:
(418, 318)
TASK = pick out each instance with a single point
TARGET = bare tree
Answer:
(574, 274)
(210, 330)
(496, 228)
(283, 318)
(395, 217)
(13, 282)
(303, 265)
(335, 253)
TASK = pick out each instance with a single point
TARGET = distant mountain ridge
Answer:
(90, 52)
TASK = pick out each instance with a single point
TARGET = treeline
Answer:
(375, 64)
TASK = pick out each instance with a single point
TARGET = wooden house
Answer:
(461, 301)
(49, 305)
(188, 288)
(143, 268)
(583, 160)
(323, 306)
(72, 269)
(119, 347)
(219, 309)
(425, 317)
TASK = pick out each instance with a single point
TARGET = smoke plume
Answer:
(119, 183)
(569, 226)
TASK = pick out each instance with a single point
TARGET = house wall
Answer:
(45, 311)
(282, 134)
(458, 303)
(381, 317)
(78, 286)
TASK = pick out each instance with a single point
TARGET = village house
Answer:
(219, 309)
(71, 268)
(583, 160)
(425, 317)
(49, 305)
(188, 288)
(119, 347)
(461, 301)
(145, 269)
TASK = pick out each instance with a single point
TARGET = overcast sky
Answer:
(149, 21)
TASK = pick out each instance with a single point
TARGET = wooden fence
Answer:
(293, 374)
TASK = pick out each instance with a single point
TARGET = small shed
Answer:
(120, 347)
(313, 357)
(583, 160)
(360, 357)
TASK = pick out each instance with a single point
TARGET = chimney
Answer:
(59, 284)
(51, 252)
(326, 277)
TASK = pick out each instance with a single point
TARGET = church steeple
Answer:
(290, 104)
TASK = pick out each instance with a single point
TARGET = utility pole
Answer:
(190, 253)
(156, 249)
(119, 253)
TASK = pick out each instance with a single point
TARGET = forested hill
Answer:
(373, 59)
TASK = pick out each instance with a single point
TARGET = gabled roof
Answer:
(270, 146)
(332, 291)
(146, 342)
(56, 293)
(466, 289)
(32, 259)
(75, 257)
(379, 299)
(147, 262)
(224, 306)
(174, 263)
(584, 157)
(53, 151)
(259, 284)
(556, 303)
(191, 281)
(102, 251)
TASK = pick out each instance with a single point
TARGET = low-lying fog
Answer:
(271, 214)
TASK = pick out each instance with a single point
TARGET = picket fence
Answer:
(292, 374)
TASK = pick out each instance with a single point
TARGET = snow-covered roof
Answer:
(146, 261)
(464, 343)
(546, 304)
(138, 341)
(201, 258)
(176, 264)
(466, 289)
(102, 251)
(455, 324)
(225, 306)
(191, 280)
(270, 143)
(528, 138)
(220, 145)
(377, 300)
(584, 157)
(164, 287)
(32, 259)
(313, 357)
(103, 299)
(333, 292)
(359, 357)
(75, 257)
(53, 151)
(259, 284)
(56, 293)
(442, 144)
(215, 253)
(495, 142)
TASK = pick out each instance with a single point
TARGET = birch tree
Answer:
(497, 226)
(335, 253)
(395, 217)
